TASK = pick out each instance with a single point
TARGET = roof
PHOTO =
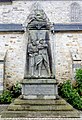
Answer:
(11, 28)
(56, 27)
(5, 0)
(66, 27)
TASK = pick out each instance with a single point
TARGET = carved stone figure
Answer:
(39, 64)
(32, 52)
(42, 57)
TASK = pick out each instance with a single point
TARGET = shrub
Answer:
(66, 89)
(6, 97)
(75, 99)
(78, 78)
(70, 94)
(16, 90)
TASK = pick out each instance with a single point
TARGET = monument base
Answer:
(39, 88)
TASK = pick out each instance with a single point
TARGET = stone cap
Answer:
(39, 81)
(2, 56)
(75, 56)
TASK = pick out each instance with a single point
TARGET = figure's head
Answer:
(42, 41)
(33, 42)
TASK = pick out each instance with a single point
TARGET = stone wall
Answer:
(66, 43)
(17, 11)
(15, 47)
(14, 43)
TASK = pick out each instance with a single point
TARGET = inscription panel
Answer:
(39, 90)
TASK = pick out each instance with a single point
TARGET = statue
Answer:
(39, 80)
(42, 57)
(38, 56)
(32, 52)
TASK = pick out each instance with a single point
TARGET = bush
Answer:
(6, 97)
(75, 99)
(16, 90)
(78, 76)
(67, 91)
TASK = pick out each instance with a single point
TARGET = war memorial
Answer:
(41, 46)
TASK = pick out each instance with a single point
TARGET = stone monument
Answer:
(39, 80)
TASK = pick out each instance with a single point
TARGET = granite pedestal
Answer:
(39, 88)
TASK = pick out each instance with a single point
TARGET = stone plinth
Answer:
(39, 88)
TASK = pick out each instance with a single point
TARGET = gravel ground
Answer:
(40, 118)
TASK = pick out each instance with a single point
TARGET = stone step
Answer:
(19, 101)
(40, 114)
(40, 108)
(13, 107)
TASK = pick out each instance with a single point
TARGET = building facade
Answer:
(65, 37)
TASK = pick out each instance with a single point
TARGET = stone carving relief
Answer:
(39, 58)
(75, 12)
(38, 53)
(37, 19)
